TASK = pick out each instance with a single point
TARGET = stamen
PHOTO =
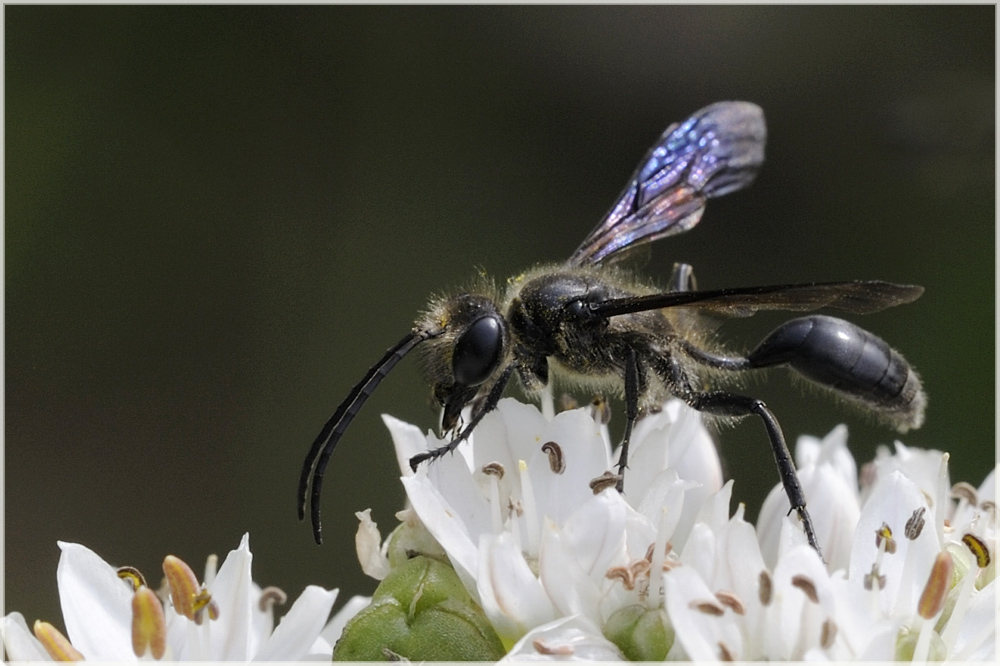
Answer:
(805, 584)
(979, 549)
(936, 591)
(57, 645)
(965, 491)
(874, 577)
(567, 402)
(494, 469)
(724, 653)
(271, 596)
(640, 568)
(707, 607)
(829, 633)
(624, 575)
(203, 601)
(211, 566)
(556, 461)
(185, 592)
(149, 628)
(730, 599)
(600, 409)
(532, 525)
(607, 480)
(884, 534)
(133, 576)
(989, 507)
(764, 588)
(915, 524)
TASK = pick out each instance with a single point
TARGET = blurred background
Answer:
(217, 218)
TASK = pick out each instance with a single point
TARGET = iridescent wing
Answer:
(716, 151)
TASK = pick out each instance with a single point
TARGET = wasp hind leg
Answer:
(724, 403)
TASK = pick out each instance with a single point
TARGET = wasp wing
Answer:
(716, 151)
(860, 297)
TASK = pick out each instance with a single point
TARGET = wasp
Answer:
(590, 321)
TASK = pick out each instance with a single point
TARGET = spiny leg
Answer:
(487, 406)
(631, 413)
(723, 403)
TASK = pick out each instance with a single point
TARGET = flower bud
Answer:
(642, 634)
(421, 612)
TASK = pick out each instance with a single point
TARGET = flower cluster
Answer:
(563, 566)
(111, 615)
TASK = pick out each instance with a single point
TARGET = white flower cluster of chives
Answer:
(909, 570)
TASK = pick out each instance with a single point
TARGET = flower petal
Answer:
(572, 638)
(20, 642)
(96, 605)
(300, 627)
(232, 590)
(511, 596)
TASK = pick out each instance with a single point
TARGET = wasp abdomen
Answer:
(850, 360)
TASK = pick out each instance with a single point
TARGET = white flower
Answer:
(908, 574)
(227, 618)
(515, 511)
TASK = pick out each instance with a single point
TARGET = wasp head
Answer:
(471, 350)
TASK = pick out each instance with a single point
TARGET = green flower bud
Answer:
(421, 612)
(641, 633)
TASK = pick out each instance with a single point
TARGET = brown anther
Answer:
(707, 607)
(494, 469)
(600, 409)
(183, 585)
(807, 586)
(829, 634)
(515, 506)
(978, 548)
(989, 507)
(133, 576)
(731, 601)
(936, 591)
(764, 588)
(624, 574)
(640, 568)
(607, 480)
(884, 533)
(203, 601)
(556, 461)
(915, 524)
(966, 491)
(271, 596)
(149, 627)
(541, 647)
(57, 645)
(874, 577)
(724, 653)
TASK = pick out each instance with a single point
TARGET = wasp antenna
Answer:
(321, 450)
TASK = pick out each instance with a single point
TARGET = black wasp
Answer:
(595, 324)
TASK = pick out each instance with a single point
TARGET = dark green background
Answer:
(218, 218)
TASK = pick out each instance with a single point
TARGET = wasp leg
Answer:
(724, 403)
(631, 413)
(487, 406)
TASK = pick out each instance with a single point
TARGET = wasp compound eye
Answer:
(477, 352)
